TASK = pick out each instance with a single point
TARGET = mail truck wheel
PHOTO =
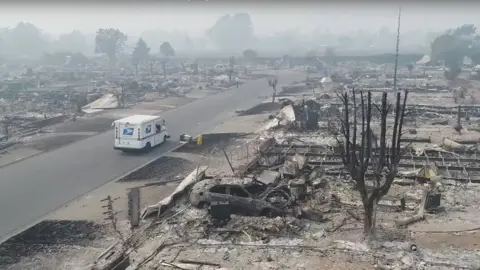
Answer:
(148, 146)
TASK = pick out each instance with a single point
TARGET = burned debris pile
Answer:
(289, 200)
(292, 200)
(300, 197)
(22, 113)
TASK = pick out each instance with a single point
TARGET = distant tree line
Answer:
(27, 40)
(230, 34)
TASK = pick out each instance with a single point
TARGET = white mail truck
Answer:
(139, 132)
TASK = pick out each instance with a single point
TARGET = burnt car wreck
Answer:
(269, 193)
(246, 196)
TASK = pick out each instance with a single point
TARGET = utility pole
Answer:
(164, 67)
(396, 50)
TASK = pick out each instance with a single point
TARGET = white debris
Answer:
(107, 101)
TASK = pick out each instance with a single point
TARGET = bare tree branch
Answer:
(358, 159)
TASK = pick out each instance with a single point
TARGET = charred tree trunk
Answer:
(273, 83)
(358, 159)
(151, 68)
(368, 219)
(112, 59)
(274, 94)
(164, 69)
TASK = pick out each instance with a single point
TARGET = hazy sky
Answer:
(267, 18)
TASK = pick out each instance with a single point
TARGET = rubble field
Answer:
(281, 197)
(294, 206)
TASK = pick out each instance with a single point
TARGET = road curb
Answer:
(24, 158)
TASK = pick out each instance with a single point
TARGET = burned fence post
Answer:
(111, 216)
(228, 160)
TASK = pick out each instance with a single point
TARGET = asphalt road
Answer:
(36, 186)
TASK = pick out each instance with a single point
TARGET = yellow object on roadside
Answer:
(199, 140)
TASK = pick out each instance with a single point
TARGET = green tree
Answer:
(249, 54)
(451, 50)
(74, 41)
(26, 39)
(110, 42)
(166, 49)
(464, 30)
(231, 33)
(454, 45)
(141, 52)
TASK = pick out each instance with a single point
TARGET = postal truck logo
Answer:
(148, 129)
(127, 131)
